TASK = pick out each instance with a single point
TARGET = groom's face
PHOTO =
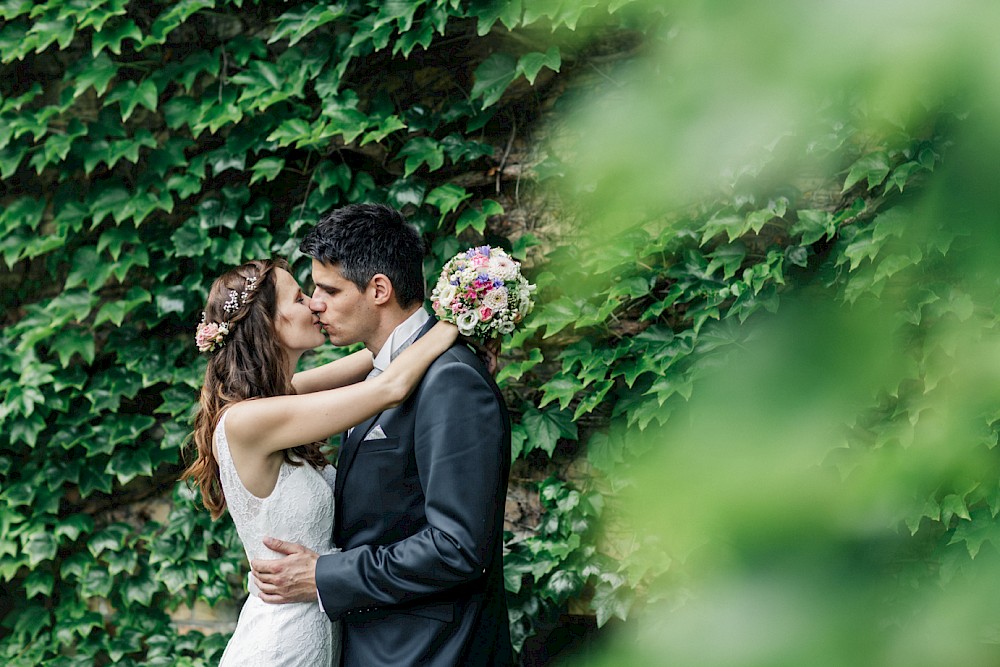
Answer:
(346, 313)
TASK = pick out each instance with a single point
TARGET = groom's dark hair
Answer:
(365, 239)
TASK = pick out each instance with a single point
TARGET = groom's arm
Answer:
(460, 443)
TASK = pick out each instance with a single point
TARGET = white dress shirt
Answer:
(400, 335)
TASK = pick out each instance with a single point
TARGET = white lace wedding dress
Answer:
(300, 510)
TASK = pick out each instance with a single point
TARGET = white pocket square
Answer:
(376, 434)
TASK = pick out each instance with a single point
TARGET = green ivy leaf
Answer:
(329, 175)
(39, 582)
(515, 370)
(422, 150)
(563, 388)
(734, 226)
(611, 599)
(267, 168)
(530, 64)
(88, 268)
(10, 158)
(544, 428)
(606, 451)
(406, 191)
(140, 588)
(115, 311)
(112, 38)
(41, 546)
(112, 538)
(386, 127)
(447, 198)
(557, 315)
(74, 525)
(94, 480)
(476, 218)
(71, 341)
(297, 23)
(109, 200)
(30, 621)
(492, 78)
(55, 30)
(176, 577)
(954, 505)
(872, 168)
(96, 15)
(981, 528)
(562, 585)
(97, 583)
(488, 13)
(814, 224)
(96, 73)
(190, 240)
(728, 257)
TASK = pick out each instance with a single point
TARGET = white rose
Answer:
(467, 322)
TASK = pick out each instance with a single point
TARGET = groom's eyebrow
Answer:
(329, 289)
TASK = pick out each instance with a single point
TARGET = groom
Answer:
(420, 488)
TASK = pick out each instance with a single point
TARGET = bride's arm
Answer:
(339, 373)
(267, 425)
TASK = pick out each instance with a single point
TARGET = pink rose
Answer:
(485, 314)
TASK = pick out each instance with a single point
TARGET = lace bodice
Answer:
(299, 509)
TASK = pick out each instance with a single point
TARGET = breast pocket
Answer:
(378, 445)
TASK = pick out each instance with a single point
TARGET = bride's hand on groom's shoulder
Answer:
(288, 579)
(487, 350)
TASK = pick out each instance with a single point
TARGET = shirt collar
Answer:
(399, 335)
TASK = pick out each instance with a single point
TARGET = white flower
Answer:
(505, 326)
(524, 300)
(503, 267)
(447, 294)
(496, 299)
(467, 322)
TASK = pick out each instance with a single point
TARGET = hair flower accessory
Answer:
(235, 302)
(483, 292)
(210, 335)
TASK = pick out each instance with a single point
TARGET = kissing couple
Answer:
(394, 558)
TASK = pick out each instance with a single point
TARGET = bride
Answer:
(258, 432)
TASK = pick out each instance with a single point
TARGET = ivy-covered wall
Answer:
(674, 178)
(145, 147)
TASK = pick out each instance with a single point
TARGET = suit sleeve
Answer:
(459, 436)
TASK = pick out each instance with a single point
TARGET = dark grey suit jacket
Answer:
(419, 516)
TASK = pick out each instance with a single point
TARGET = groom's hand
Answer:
(288, 579)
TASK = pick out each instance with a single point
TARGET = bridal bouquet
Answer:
(483, 292)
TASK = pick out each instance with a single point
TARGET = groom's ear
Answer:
(381, 287)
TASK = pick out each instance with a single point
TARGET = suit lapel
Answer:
(348, 452)
(352, 443)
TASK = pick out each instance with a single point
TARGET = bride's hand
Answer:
(488, 351)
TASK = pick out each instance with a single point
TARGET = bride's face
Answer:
(294, 324)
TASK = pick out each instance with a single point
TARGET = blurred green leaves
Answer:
(812, 444)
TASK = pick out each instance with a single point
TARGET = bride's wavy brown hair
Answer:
(251, 364)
